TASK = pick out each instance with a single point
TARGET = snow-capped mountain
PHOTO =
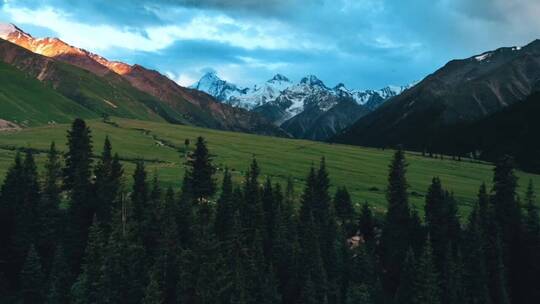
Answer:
(291, 98)
(307, 109)
(217, 87)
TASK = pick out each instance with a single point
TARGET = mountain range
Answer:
(115, 88)
(432, 115)
(306, 109)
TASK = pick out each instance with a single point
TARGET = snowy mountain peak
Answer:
(312, 80)
(340, 87)
(279, 78)
(217, 87)
(289, 99)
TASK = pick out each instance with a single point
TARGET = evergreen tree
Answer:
(169, 247)
(153, 293)
(325, 220)
(59, 279)
(508, 216)
(49, 211)
(20, 202)
(406, 292)
(9, 198)
(531, 242)
(87, 287)
(140, 195)
(185, 214)
(395, 239)
(443, 228)
(286, 247)
(418, 232)
(225, 209)
(360, 294)
(252, 210)
(77, 174)
(366, 224)
(475, 277)
(345, 211)
(32, 278)
(201, 172)
(270, 209)
(427, 290)
(312, 268)
(108, 174)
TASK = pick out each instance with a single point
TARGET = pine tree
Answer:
(325, 220)
(185, 214)
(406, 292)
(10, 198)
(225, 209)
(395, 240)
(270, 209)
(251, 209)
(59, 279)
(49, 211)
(32, 278)
(87, 287)
(108, 174)
(153, 293)
(360, 294)
(427, 290)
(508, 216)
(201, 172)
(531, 261)
(313, 274)
(418, 232)
(139, 194)
(286, 247)
(20, 202)
(77, 173)
(169, 247)
(345, 211)
(475, 277)
(444, 230)
(366, 223)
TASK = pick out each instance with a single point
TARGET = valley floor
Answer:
(362, 170)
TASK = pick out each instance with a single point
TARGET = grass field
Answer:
(362, 170)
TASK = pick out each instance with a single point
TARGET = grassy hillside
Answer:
(362, 170)
(26, 101)
(107, 95)
(110, 95)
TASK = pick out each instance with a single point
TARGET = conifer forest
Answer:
(81, 231)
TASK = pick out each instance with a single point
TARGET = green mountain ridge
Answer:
(26, 101)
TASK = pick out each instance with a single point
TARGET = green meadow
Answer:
(362, 170)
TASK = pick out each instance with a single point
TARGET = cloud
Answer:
(364, 43)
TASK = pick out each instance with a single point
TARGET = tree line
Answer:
(77, 234)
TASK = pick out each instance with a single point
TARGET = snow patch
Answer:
(483, 56)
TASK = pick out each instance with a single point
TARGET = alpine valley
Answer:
(307, 109)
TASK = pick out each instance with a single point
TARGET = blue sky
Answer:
(362, 43)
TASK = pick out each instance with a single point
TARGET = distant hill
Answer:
(512, 131)
(461, 92)
(26, 101)
(119, 89)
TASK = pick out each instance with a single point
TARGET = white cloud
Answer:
(183, 79)
(249, 35)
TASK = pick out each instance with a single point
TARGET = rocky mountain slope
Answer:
(163, 96)
(303, 109)
(461, 92)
